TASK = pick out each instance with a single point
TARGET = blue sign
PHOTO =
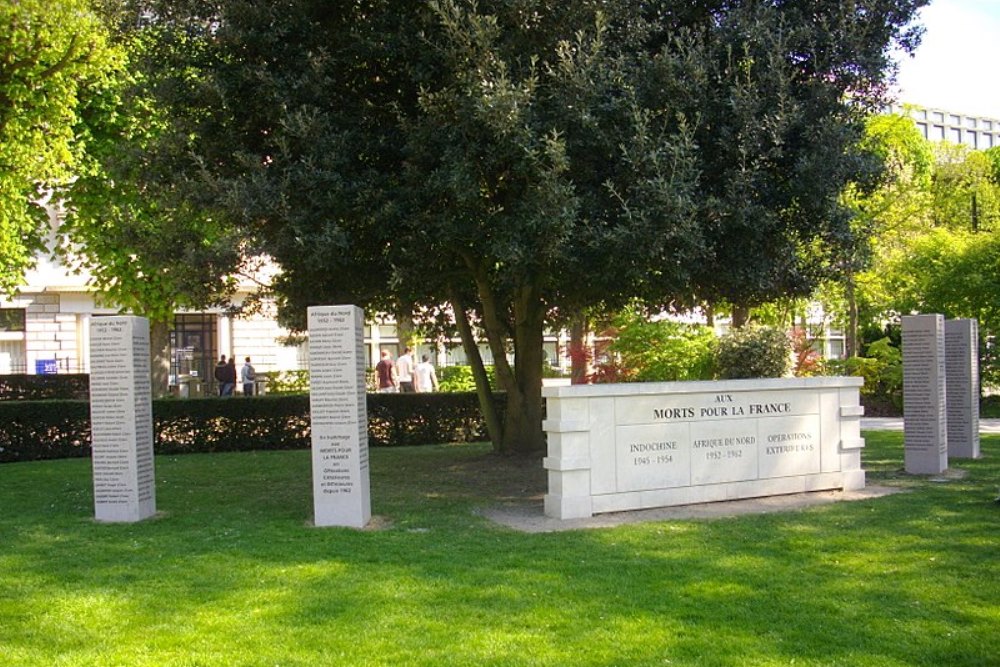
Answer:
(46, 366)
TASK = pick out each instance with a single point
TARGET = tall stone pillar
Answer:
(121, 419)
(961, 342)
(925, 424)
(339, 416)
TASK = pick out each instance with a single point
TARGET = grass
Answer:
(231, 573)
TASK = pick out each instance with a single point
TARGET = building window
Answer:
(938, 117)
(987, 125)
(954, 120)
(938, 133)
(970, 122)
(923, 129)
(970, 138)
(955, 135)
(12, 320)
(194, 346)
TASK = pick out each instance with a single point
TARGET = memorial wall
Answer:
(622, 447)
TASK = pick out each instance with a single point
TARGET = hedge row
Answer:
(74, 386)
(35, 430)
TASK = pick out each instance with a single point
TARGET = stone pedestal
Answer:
(339, 416)
(121, 419)
(961, 342)
(925, 423)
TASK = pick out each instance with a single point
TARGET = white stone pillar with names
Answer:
(121, 419)
(339, 416)
(925, 423)
(961, 342)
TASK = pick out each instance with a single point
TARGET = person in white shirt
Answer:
(426, 378)
(404, 372)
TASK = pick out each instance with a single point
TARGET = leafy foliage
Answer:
(662, 350)
(52, 56)
(753, 352)
(61, 429)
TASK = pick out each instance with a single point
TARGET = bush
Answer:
(753, 352)
(36, 430)
(287, 382)
(44, 387)
(658, 351)
(459, 379)
(882, 370)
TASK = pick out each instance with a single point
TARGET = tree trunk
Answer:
(580, 353)
(523, 420)
(741, 316)
(483, 392)
(159, 356)
(522, 428)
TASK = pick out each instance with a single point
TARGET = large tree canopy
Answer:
(52, 53)
(517, 157)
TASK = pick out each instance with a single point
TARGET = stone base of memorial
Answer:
(121, 418)
(620, 447)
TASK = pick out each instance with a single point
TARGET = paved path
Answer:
(896, 424)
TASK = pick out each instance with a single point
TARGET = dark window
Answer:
(11, 319)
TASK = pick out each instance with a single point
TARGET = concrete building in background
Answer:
(977, 132)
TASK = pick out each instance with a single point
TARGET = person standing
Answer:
(425, 376)
(220, 374)
(404, 372)
(247, 377)
(229, 377)
(385, 370)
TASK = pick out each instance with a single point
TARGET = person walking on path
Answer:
(247, 377)
(385, 370)
(425, 376)
(404, 372)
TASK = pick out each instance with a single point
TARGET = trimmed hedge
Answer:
(35, 430)
(73, 386)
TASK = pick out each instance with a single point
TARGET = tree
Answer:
(781, 99)
(887, 215)
(522, 157)
(138, 221)
(966, 194)
(51, 55)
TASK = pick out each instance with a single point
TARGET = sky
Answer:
(956, 65)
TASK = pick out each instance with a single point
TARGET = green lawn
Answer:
(231, 573)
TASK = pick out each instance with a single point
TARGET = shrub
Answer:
(44, 387)
(60, 429)
(460, 379)
(665, 350)
(753, 352)
(287, 382)
(882, 370)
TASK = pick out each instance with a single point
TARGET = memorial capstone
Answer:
(925, 424)
(961, 342)
(339, 416)
(121, 419)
